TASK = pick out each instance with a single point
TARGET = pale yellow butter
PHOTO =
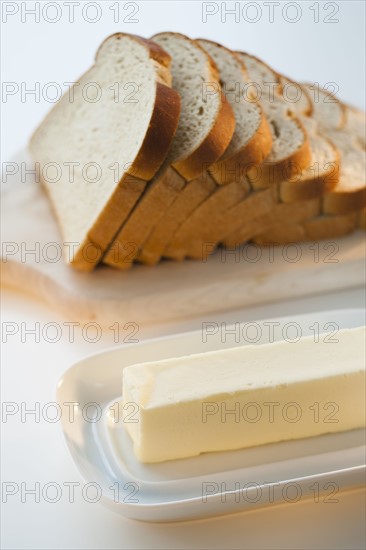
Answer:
(246, 396)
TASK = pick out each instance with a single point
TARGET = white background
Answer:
(44, 52)
(60, 52)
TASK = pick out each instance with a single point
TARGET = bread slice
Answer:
(320, 228)
(328, 111)
(87, 131)
(265, 81)
(259, 228)
(356, 124)
(249, 145)
(290, 153)
(196, 237)
(350, 192)
(320, 177)
(269, 83)
(205, 129)
(233, 211)
(296, 97)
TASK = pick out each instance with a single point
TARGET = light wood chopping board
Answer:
(169, 291)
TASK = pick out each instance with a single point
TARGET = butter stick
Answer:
(246, 396)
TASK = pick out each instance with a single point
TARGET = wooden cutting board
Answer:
(170, 291)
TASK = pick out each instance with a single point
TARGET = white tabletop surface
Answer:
(43, 52)
(35, 452)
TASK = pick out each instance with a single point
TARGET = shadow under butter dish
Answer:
(245, 396)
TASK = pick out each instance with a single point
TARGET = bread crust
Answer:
(160, 194)
(275, 172)
(312, 187)
(212, 147)
(319, 228)
(195, 193)
(260, 228)
(162, 127)
(190, 239)
(344, 202)
(330, 227)
(251, 154)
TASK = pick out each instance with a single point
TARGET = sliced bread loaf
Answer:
(310, 186)
(194, 209)
(342, 206)
(290, 153)
(101, 169)
(204, 131)
(221, 217)
(300, 196)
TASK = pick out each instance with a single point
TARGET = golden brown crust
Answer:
(205, 237)
(157, 199)
(260, 228)
(270, 173)
(162, 127)
(343, 202)
(192, 196)
(330, 227)
(318, 228)
(361, 221)
(253, 153)
(281, 234)
(91, 250)
(198, 228)
(212, 147)
(312, 187)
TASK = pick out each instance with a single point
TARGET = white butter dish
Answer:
(212, 483)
